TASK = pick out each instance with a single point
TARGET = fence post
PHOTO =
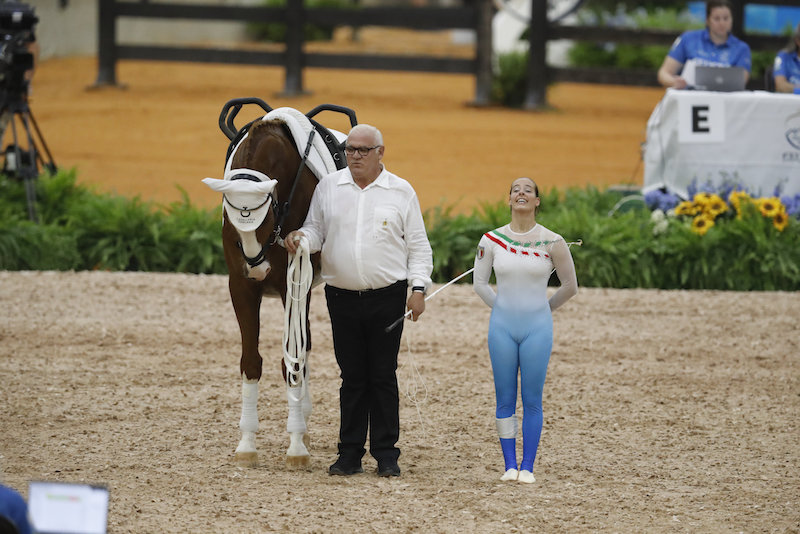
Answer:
(295, 22)
(106, 43)
(737, 12)
(483, 52)
(536, 95)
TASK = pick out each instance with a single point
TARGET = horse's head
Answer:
(258, 176)
(247, 199)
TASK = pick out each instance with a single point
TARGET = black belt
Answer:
(366, 292)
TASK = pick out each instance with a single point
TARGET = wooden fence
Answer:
(475, 14)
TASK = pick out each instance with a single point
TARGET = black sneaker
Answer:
(388, 469)
(342, 468)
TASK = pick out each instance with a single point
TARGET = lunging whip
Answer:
(392, 326)
(400, 320)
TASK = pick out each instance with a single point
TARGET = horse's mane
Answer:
(259, 130)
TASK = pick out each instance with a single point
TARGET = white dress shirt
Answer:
(370, 238)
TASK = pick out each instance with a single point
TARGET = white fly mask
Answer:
(246, 196)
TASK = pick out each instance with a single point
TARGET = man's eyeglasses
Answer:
(362, 150)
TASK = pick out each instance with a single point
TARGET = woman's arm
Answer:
(565, 269)
(782, 85)
(668, 74)
(484, 257)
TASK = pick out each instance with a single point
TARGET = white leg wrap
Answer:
(295, 422)
(249, 419)
(248, 443)
(296, 445)
(507, 427)
(307, 403)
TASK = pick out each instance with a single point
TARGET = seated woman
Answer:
(714, 46)
(786, 70)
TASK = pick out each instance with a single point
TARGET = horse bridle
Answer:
(246, 211)
(281, 211)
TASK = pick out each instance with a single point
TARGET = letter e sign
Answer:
(701, 119)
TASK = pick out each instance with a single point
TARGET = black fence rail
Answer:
(477, 16)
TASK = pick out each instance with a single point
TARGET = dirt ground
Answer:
(665, 411)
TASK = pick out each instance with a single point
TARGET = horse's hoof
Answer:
(247, 459)
(298, 461)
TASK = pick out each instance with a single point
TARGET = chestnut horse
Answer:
(272, 168)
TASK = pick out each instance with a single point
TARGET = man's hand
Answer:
(292, 239)
(416, 303)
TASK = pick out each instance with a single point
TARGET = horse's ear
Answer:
(214, 183)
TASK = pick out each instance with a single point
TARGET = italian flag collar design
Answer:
(516, 247)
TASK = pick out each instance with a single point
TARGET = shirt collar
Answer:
(707, 38)
(381, 181)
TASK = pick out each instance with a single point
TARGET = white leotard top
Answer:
(522, 264)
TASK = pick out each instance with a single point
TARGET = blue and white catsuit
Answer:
(521, 324)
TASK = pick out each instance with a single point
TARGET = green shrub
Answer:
(588, 54)
(624, 56)
(509, 84)
(79, 229)
(761, 61)
(276, 31)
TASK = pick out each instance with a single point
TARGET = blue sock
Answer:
(531, 434)
(509, 446)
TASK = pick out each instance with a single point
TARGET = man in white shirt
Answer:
(368, 224)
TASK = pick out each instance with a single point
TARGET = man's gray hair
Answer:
(373, 132)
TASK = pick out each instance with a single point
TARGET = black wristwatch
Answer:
(421, 289)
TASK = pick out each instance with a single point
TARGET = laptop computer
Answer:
(725, 79)
(67, 508)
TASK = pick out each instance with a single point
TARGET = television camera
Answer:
(16, 60)
(17, 21)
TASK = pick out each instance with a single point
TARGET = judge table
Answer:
(751, 138)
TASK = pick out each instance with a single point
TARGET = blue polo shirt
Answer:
(788, 64)
(14, 507)
(697, 45)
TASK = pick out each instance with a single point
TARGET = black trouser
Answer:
(367, 358)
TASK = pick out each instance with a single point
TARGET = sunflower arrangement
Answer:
(768, 207)
(704, 209)
(707, 207)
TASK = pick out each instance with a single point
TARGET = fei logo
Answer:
(793, 130)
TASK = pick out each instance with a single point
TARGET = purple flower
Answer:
(661, 200)
(691, 189)
(792, 205)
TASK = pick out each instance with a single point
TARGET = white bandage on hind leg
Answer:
(249, 420)
(295, 422)
(507, 427)
(307, 402)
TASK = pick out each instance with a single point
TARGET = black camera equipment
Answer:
(16, 62)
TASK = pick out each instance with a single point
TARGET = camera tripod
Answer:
(20, 163)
